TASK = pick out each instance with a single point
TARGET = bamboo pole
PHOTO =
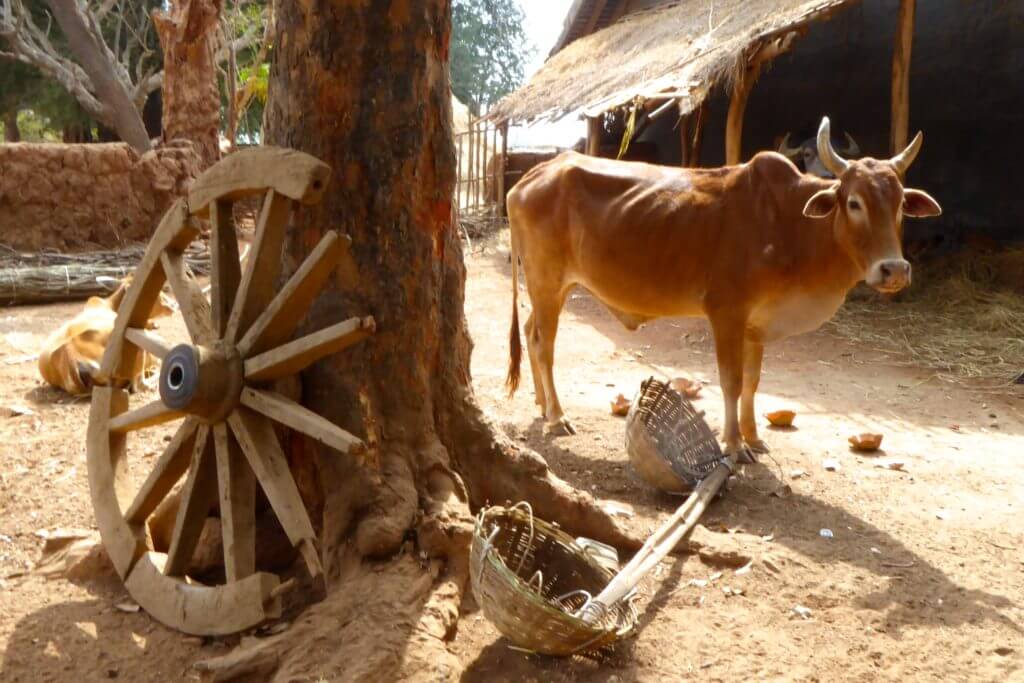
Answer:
(684, 139)
(698, 135)
(899, 134)
(469, 170)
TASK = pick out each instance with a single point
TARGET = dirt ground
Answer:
(922, 577)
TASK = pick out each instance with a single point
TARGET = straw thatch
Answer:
(677, 50)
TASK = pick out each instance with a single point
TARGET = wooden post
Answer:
(700, 116)
(594, 129)
(900, 122)
(469, 169)
(501, 168)
(734, 121)
(684, 139)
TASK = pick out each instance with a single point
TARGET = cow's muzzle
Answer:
(890, 275)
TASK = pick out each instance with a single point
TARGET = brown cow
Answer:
(72, 353)
(761, 250)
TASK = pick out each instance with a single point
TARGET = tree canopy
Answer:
(489, 51)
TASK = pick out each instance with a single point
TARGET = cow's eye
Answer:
(853, 204)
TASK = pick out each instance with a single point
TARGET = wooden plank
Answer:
(147, 341)
(237, 487)
(287, 172)
(900, 106)
(278, 321)
(260, 276)
(168, 469)
(107, 479)
(195, 308)
(595, 129)
(197, 497)
(203, 610)
(289, 413)
(297, 355)
(175, 232)
(149, 415)
(225, 272)
(256, 436)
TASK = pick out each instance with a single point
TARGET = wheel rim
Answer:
(217, 386)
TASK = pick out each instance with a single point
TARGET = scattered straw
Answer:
(963, 317)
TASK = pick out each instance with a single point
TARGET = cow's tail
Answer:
(515, 347)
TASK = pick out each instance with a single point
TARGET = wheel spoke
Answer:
(169, 468)
(197, 498)
(149, 415)
(299, 354)
(147, 341)
(259, 443)
(226, 271)
(237, 505)
(257, 286)
(278, 321)
(195, 309)
(291, 414)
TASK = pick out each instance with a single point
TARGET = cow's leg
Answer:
(753, 352)
(545, 313)
(728, 334)
(538, 385)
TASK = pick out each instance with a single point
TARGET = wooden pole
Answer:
(734, 121)
(899, 134)
(684, 139)
(469, 170)
(594, 130)
(502, 166)
(700, 116)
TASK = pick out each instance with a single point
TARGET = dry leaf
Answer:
(689, 388)
(16, 409)
(802, 612)
(129, 607)
(620, 406)
(866, 441)
(781, 418)
(797, 474)
(830, 465)
(745, 569)
(891, 465)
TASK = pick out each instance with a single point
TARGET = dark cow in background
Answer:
(805, 155)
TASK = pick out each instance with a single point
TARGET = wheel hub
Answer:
(203, 381)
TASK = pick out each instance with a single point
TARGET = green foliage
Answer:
(489, 51)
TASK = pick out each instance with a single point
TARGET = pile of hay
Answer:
(963, 317)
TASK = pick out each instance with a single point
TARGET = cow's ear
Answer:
(920, 204)
(822, 203)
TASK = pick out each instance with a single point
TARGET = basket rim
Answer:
(497, 563)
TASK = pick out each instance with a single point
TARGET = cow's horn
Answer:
(829, 158)
(786, 150)
(852, 148)
(902, 161)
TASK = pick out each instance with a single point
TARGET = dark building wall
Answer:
(966, 94)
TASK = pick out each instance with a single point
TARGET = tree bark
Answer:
(191, 100)
(93, 58)
(11, 131)
(367, 91)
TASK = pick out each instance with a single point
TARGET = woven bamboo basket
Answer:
(669, 444)
(530, 577)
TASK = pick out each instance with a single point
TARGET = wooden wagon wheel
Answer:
(217, 386)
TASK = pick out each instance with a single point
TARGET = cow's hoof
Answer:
(744, 454)
(560, 427)
(759, 446)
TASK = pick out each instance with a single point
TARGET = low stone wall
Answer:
(76, 197)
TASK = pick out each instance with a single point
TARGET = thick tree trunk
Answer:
(11, 131)
(95, 60)
(191, 100)
(366, 90)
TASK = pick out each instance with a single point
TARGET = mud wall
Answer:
(76, 197)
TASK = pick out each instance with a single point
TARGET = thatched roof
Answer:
(676, 50)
